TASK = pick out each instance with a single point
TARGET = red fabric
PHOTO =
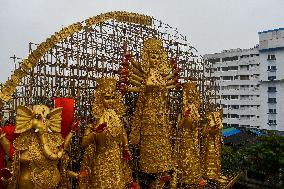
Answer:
(11, 136)
(126, 155)
(67, 114)
(128, 56)
(6, 173)
(134, 185)
(216, 126)
(165, 179)
(187, 112)
(101, 127)
(75, 126)
(178, 86)
(84, 173)
(202, 184)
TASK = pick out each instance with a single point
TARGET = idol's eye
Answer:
(47, 116)
(37, 116)
(109, 97)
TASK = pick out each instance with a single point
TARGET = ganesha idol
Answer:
(38, 149)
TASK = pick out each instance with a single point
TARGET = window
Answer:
(252, 55)
(271, 78)
(234, 97)
(271, 68)
(272, 111)
(234, 107)
(244, 77)
(244, 56)
(228, 77)
(244, 97)
(244, 87)
(234, 116)
(272, 122)
(224, 106)
(244, 67)
(271, 89)
(225, 97)
(234, 125)
(224, 69)
(213, 60)
(230, 58)
(233, 68)
(271, 100)
(271, 57)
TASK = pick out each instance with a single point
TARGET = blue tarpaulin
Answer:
(257, 132)
(230, 131)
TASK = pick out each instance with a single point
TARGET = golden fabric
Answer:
(103, 157)
(150, 127)
(189, 166)
(31, 167)
(37, 154)
(153, 128)
(212, 146)
(189, 155)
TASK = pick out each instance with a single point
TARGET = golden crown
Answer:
(190, 85)
(105, 83)
(152, 44)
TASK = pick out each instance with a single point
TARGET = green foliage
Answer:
(230, 160)
(266, 157)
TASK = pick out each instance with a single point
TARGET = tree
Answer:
(265, 157)
(230, 161)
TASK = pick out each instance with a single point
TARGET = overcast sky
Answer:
(210, 25)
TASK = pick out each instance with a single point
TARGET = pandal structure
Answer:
(69, 62)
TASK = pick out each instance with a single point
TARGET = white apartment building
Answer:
(271, 55)
(252, 83)
(237, 73)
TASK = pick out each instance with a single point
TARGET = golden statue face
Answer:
(211, 120)
(154, 59)
(218, 120)
(109, 100)
(154, 56)
(41, 113)
(215, 122)
(39, 118)
(106, 96)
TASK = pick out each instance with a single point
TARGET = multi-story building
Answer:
(271, 55)
(237, 73)
(252, 82)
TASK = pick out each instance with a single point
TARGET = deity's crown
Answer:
(106, 83)
(190, 85)
(152, 44)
